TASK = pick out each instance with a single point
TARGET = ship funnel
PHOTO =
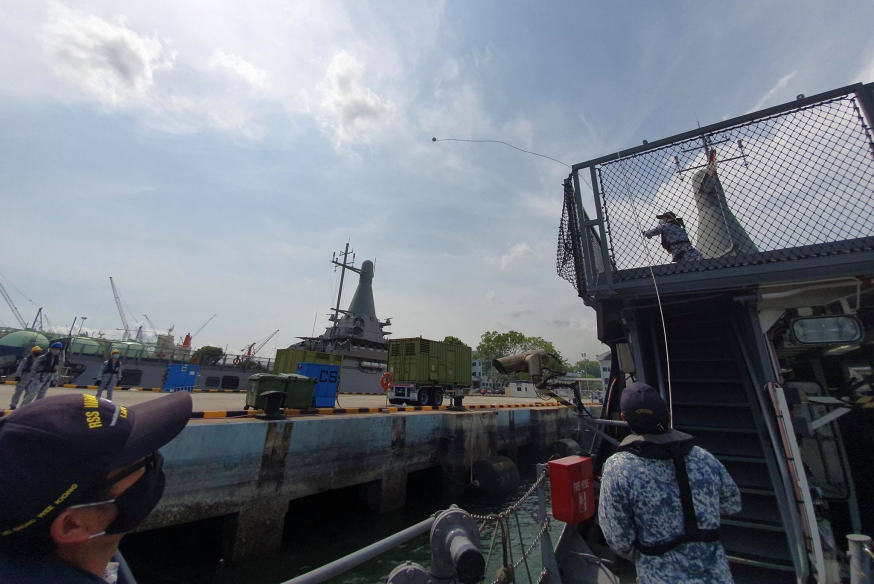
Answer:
(362, 302)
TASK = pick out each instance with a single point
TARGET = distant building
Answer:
(604, 359)
(479, 373)
(520, 389)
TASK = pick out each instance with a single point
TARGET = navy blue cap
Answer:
(53, 449)
(644, 408)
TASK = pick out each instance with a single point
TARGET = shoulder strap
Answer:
(690, 523)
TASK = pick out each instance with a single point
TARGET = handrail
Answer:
(364, 554)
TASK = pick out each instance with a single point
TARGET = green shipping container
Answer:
(299, 390)
(262, 383)
(287, 359)
(423, 362)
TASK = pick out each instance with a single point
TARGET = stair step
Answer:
(709, 381)
(754, 491)
(758, 564)
(759, 508)
(698, 359)
(732, 419)
(684, 427)
(704, 404)
(719, 441)
(756, 544)
(760, 525)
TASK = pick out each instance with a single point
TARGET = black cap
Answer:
(667, 215)
(53, 449)
(644, 409)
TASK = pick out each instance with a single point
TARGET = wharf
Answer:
(247, 471)
(228, 464)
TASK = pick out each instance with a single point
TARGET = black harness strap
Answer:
(690, 522)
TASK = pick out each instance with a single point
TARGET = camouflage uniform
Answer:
(640, 500)
(682, 250)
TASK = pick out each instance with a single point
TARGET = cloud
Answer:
(106, 59)
(517, 254)
(491, 295)
(353, 112)
(866, 75)
(239, 68)
(784, 81)
(518, 313)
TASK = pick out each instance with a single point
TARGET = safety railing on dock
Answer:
(792, 182)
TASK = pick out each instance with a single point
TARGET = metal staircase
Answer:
(715, 399)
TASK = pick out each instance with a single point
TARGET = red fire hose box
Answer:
(572, 489)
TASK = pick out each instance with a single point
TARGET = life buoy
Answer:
(237, 361)
(386, 381)
(194, 361)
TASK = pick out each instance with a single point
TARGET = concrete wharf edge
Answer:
(249, 470)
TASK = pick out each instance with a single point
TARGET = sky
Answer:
(211, 156)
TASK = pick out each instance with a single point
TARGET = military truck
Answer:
(425, 372)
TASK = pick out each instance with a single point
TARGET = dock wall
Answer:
(249, 470)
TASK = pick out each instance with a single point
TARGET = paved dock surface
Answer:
(236, 401)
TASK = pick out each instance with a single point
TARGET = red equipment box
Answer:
(572, 489)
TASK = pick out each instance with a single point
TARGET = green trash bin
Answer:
(261, 383)
(300, 391)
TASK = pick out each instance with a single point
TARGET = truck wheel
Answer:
(395, 402)
(437, 397)
(424, 396)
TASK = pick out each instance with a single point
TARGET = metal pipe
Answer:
(860, 565)
(364, 554)
(601, 422)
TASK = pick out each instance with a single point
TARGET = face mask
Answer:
(114, 357)
(662, 221)
(55, 351)
(135, 504)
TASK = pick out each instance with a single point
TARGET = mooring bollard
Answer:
(860, 563)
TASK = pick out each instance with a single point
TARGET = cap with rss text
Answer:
(53, 449)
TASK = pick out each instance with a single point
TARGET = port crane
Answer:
(186, 342)
(12, 307)
(252, 350)
(120, 310)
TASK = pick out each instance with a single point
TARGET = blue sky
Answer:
(210, 156)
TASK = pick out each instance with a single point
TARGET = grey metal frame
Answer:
(724, 277)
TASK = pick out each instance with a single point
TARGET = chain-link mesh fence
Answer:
(794, 185)
(569, 261)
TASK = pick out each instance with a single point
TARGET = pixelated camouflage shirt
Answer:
(640, 500)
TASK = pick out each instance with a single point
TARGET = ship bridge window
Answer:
(213, 381)
(230, 382)
(130, 377)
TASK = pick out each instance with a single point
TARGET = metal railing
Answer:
(456, 550)
(787, 183)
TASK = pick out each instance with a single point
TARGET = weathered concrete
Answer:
(249, 470)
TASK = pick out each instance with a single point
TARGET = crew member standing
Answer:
(110, 374)
(45, 372)
(23, 375)
(674, 238)
(661, 498)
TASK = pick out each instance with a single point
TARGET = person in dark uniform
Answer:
(674, 238)
(76, 474)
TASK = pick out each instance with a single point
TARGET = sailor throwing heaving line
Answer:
(674, 238)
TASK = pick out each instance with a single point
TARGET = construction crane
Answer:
(37, 320)
(151, 324)
(186, 342)
(120, 310)
(12, 307)
(252, 349)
